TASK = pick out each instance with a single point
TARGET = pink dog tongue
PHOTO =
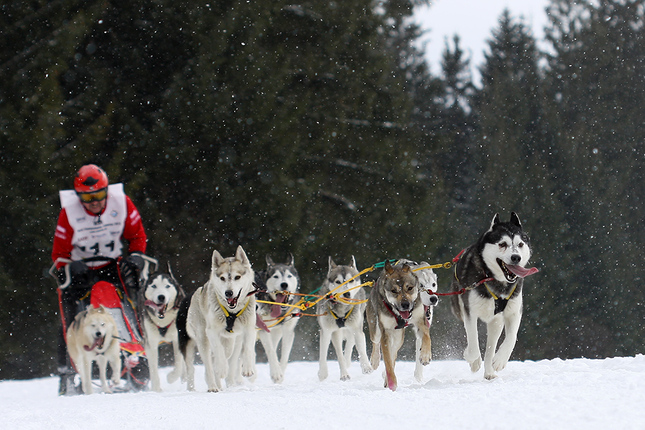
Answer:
(259, 323)
(276, 310)
(405, 315)
(97, 342)
(521, 271)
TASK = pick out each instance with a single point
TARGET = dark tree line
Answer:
(317, 129)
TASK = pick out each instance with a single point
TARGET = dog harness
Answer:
(400, 321)
(230, 318)
(340, 321)
(500, 302)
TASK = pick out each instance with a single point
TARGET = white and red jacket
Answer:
(81, 234)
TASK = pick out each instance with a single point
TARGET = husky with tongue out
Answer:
(276, 320)
(219, 319)
(93, 336)
(161, 297)
(395, 302)
(488, 282)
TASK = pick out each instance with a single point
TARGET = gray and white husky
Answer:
(159, 304)
(491, 275)
(277, 284)
(341, 320)
(219, 319)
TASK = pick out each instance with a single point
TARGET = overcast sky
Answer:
(473, 21)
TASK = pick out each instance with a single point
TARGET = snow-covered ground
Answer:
(549, 394)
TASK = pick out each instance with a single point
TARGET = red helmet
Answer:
(90, 178)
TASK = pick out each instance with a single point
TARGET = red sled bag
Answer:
(134, 365)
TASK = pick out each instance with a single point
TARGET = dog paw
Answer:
(490, 376)
(476, 364)
(367, 368)
(174, 375)
(322, 374)
(418, 373)
(213, 390)
(345, 377)
(391, 383)
(499, 362)
(425, 359)
(277, 377)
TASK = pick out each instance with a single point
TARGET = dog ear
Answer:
(494, 222)
(217, 258)
(405, 268)
(332, 265)
(269, 261)
(172, 275)
(240, 255)
(290, 260)
(515, 220)
(388, 267)
(353, 263)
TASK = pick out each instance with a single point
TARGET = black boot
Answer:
(66, 385)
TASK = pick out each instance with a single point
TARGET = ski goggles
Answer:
(95, 196)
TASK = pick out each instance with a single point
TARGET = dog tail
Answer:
(182, 318)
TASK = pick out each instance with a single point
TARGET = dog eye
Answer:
(275, 276)
(521, 244)
(237, 277)
(503, 245)
(222, 278)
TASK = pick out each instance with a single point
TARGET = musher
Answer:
(94, 220)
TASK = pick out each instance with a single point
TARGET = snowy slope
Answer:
(550, 394)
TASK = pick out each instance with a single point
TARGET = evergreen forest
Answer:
(316, 128)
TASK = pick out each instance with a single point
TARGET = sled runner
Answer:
(116, 299)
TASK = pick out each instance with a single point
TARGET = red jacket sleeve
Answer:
(133, 231)
(62, 239)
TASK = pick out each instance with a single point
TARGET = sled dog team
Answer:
(223, 319)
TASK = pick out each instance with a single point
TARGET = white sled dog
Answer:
(490, 273)
(395, 302)
(159, 304)
(341, 320)
(277, 284)
(93, 336)
(427, 289)
(220, 321)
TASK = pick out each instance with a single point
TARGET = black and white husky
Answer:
(277, 284)
(490, 273)
(159, 305)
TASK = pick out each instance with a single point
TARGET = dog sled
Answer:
(135, 372)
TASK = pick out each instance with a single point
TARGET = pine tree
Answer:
(596, 89)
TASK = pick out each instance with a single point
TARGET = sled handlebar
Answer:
(150, 264)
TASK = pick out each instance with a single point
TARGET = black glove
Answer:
(136, 260)
(131, 267)
(61, 276)
(79, 272)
